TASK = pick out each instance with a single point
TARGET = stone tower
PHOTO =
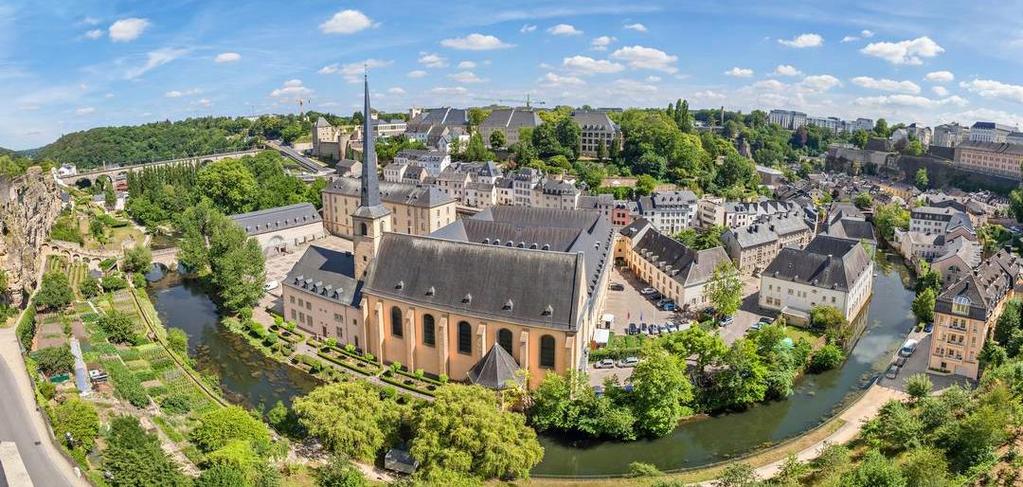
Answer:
(371, 219)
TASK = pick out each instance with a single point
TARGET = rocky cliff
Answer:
(30, 204)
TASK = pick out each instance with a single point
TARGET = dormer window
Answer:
(961, 305)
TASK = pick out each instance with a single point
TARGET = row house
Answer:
(753, 247)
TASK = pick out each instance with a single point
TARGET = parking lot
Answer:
(916, 364)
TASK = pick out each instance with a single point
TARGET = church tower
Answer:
(371, 219)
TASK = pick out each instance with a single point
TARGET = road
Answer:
(21, 424)
(306, 163)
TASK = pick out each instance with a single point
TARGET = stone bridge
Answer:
(166, 257)
(113, 173)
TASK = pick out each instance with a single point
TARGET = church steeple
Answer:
(371, 219)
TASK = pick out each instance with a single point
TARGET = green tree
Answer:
(645, 185)
(920, 179)
(696, 341)
(860, 138)
(76, 424)
(178, 340)
(874, 471)
(477, 116)
(738, 474)
(339, 472)
(601, 150)
(881, 128)
(661, 394)
(889, 217)
(724, 290)
(221, 476)
(827, 357)
(89, 287)
(465, 431)
(134, 458)
(229, 184)
(863, 200)
(894, 429)
(291, 133)
(54, 360)
(743, 380)
(925, 467)
(54, 292)
(118, 327)
(919, 386)
(923, 306)
(1016, 204)
(1008, 322)
(497, 139)
(831, 321)
(476, 151)
(138, 259)
(218, 427)
(349, 418)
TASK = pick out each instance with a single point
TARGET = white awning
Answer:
(601, 336)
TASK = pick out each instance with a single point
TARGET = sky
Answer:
(72, 65)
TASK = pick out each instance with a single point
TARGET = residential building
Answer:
(438, 127)
(530, 280)
(994, 158)
(667, 265)
(1014, 138)
(921, 133)
(965, 314)
(596, 129)
(433, 160)
(416, 210)
(959, 257)
(669, 211)
(739, 214)
(848, 222)
(389, 128)
(770, 176)
(753, 247)
(508, 121)
(864, 124)
(321, 295)
(833, 124)
(283, 228)
(950, 135)
(990, 132)
(788, 119)
(830, 271)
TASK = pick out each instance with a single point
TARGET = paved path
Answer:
(23, 425)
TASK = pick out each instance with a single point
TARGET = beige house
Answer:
(508, 121)
(283, 228)
(330, 142)
(965, 314)
(530, 280)
(415, 210)
(674, 270)
(321, 296)
(753, 247)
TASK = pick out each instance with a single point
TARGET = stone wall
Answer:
(30, 204)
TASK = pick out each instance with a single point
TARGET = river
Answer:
(249, 378)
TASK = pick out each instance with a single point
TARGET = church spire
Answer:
(370, 191)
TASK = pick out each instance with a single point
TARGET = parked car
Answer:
(901, 361)
(661, 329)
(669, 306)
(908, 348)
(893, 371)
(755, 327)
(651, 330)
(928, 327)
(648, 290)
(615, 286)
(672, 328)
(727, 320)
(656, 296)
(604, 364)
(628, 362)
(765, 321)
(633, 329)
(271, 285)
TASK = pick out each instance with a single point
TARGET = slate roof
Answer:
(852, 229)
(322, 122)
(998, 147)
(826, 262)
(984, 287)
(329, 274)
(445, 116)
(276, 219)
(686, 266)
(398, 193)
(593, 119)
(992, 125)
(512, 118)
(767, 229)
(495, 369)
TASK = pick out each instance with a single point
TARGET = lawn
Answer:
(795, 333)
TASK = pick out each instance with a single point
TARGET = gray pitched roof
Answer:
(398, 193)
(984, 287)
(852, 229)
(495, 369)
(767, 229)
(512, 118)
(685, 265)
(327, 273)
(826, 262)
(593, 119)
(275, 219)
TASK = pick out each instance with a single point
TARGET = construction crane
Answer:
(529, 102)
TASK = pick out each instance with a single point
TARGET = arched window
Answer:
(429, 332)
(363, 229)
(464, 337)
(504, 339)
(547, 352)
(396, 329)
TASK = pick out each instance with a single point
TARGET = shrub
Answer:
(178, 340)
(640, 469)
(221, 426)
(443, 378)
(826, 358)
(177, 403)
(47, 389)
(350, 348)
(26, 329)
(54, 360)
(55, 291)
(127, 385)
(331, 342)
(89, 287)
(139, 280)
(113, 282)
(919, 386)
(78, 419)
(278, 321)
(119, 328)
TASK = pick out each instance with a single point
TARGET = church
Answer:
(511, 285)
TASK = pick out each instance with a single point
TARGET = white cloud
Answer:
(653, 79)
(94, 34)
(466, 77)
(129, 29)
(179, 94)
(864, 34)
(291, 90)
(885, 84)
(997, 116)
(636, 27)
(527, 28)
(552, 80)
(346, 22)
(850, 38)
(352, 72)
(204, 102)
(155, 59)
(85, 111)
(476, 42)
(940, 76)
(709, 95)
(820, 82)
(449, 90)
(787, 70)
(803, 40)
(904, 52)
(632, 86)
(227, 57)
(601, 43)
(913, 101)
(939, 90)
(564, 30)
(988, 88)
(769, 85)
(466, 65)
(640, 57)
(737, 72)
(432, 60)
(418, 73)
(588, 65)
(90, 21)
(397, 90)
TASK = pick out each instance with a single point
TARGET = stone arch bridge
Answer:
(115, 172)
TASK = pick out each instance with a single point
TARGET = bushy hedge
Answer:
(26, 329)
(126, 385)
(54, 360)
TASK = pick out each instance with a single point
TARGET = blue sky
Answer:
(71, 65)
